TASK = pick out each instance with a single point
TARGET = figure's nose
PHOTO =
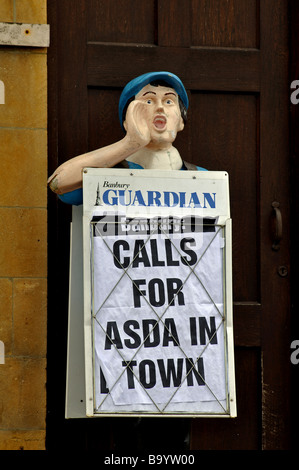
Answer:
(159, 106)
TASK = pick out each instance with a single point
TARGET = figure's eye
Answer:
(149, 101)
(169, 101)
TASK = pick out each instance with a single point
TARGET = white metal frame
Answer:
(80, 395)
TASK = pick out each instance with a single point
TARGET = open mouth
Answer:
(159, 122)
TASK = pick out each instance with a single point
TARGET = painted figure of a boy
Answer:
(152, 110)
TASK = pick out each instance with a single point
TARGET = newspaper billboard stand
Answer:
(154, 280)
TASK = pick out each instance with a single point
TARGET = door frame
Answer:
(61, 216)
(294, 170)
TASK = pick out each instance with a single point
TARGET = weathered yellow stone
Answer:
(24, 75)
(22, 393)
(23, 234)
(6, 11)
(30, 317)
(6, 331)
(23, 242)
(31, 11)
(23, 167)
(22, 440)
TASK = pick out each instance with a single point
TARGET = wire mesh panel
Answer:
(157, 301)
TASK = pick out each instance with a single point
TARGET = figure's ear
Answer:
(181, 124)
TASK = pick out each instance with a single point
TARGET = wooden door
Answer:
(232, 57)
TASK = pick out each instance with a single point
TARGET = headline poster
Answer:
(158, 307)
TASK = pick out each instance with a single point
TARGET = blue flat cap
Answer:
(134, 86)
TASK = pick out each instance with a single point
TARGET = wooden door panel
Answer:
(224, 136)
(173, 24)
(225, 24)
(226, 52)
(118, 22)
(245, 431)
(103, 123)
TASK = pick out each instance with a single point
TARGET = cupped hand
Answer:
(136, 124)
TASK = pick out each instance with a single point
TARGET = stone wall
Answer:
(23, 234)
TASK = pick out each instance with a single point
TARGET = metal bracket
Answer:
(20, 34)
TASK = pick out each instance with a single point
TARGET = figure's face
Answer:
(162, 114)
